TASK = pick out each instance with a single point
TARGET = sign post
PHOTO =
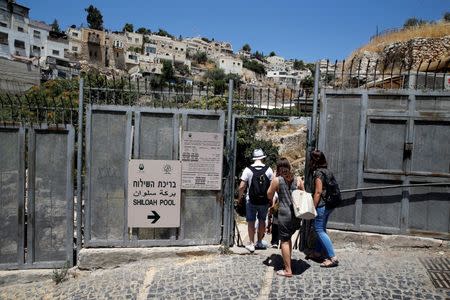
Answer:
(154, 193)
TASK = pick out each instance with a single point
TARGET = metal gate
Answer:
(378, 138)
(115, 134)
(36, 196)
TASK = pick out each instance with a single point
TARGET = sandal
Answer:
(329, 263)
(283, 273)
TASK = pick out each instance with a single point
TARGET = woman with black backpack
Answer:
(324, 185)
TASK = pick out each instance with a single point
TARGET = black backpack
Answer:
(259, 185)
(333, 193)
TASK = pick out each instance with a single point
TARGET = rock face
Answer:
(395, 58)
(417, 50)
(291, 140)
(409, 53)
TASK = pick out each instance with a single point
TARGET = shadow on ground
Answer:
(299, 266)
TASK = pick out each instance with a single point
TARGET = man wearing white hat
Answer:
(257, 178)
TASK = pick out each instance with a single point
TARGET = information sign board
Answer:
(154, 193)
(202, 159)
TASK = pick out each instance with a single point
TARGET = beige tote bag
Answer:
(303, 205)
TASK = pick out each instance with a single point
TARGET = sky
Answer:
(308, 30)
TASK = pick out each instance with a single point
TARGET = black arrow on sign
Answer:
(155, 217)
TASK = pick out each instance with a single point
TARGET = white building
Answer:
(213, 49)
(57, 46)
(288, 79)
(38, 34)
(75, 41)
(167, 49)
(276, 63)
(150, 63)
(134, 39)
(14, 36)
(230, 65)
(244, 54)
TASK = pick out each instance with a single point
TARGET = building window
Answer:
(20, 29)
(19, 44)
(136, 40)
(75, 49)
(3, 24)
(3, 38)
(223, 61)
(55, 52)
(36, 34)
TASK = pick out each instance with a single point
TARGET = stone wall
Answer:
(18, 77)
(416, 50)
(408, 53)
(290, 139)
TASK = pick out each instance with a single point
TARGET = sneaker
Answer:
(274, 246)
(250, 247)
(261, 245)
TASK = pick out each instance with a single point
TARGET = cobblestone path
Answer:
(362, 274)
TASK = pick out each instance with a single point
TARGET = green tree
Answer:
(128, 27)
(307, 82)
(299, 65)
(215, 74)
(446, 17)
(182, 69)
(143, 30)
(168, 73)
(200, 57)
(413, 22)
(94, 18)
(55, 26)
(255, 66)
(258, 55)
(246, 48)
(272, 53)
(236, 79)
(162, 32)
(217, 77)
(311, 67)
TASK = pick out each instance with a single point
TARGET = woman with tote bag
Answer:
(284, 183)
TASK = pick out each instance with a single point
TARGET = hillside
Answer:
(409, 46)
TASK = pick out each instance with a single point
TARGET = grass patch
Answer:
(60, 275)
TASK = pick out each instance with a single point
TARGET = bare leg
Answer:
(261, 229)
(286, 254)
(251, 232)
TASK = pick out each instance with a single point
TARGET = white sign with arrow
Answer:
(154, 193)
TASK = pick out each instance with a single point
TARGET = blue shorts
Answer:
(253, 210)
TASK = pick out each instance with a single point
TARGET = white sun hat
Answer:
(258, 154)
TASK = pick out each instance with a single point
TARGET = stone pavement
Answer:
(362, 274)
